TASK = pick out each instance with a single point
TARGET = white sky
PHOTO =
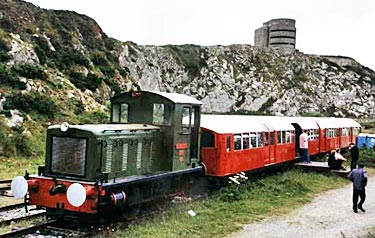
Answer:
(324, 27)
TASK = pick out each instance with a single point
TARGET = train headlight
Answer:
(19, 187)
(76, 194)
(64, 126)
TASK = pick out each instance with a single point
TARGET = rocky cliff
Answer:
(60, 66)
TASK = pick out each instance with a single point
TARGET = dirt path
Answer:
(328, 215)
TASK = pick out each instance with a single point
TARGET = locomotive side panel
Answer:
(131, 154)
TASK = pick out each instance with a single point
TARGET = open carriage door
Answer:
(298, 133)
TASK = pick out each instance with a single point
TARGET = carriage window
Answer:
(289, 137)
(314, 135)
(345, 132)
(285, 137)
(245, 141)
(124, 113)
(260, 139)
(279, 137)
(237, 142)
(208, 139)
(253, 140)
(228, 143)
(331, 132)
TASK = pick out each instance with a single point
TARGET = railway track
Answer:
(11, 207)
(5, 188)
(49, 229)
(17, 212)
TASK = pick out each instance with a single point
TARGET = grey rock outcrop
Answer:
(255, 80)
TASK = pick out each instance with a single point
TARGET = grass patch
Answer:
(226, 210)
(15, 166)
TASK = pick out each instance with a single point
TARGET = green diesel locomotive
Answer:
(150, 148)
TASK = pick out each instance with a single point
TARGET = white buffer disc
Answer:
(19, 187)
(76, 194)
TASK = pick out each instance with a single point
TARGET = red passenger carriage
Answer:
(232, 144)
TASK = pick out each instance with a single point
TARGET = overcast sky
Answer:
(324, 27)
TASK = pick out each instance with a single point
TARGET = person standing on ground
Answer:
(304, 147)
(359, 178)
(354, 155)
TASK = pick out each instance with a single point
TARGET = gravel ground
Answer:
(328, 215)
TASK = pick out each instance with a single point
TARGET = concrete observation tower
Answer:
(277, 33)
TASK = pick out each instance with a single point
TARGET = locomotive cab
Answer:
(178, 117)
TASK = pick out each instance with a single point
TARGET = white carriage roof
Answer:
(240, 123)
(335, 122)
(99, 129)
(179, 98)
(351, 122)
(276, 123)
(303, 122)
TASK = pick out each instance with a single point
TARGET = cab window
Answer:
(186, 119)
(124, 111)
(158, 114)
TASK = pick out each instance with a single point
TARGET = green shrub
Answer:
(189, 56)
(9, 79)
(5, 76)
(64, 59)
(4, 57)
(99, 58)
(42, 49)
(4, 46)
(93, 117)
(367, 155)
(75, 105)
(82, 82)
(29, 71)
(108, 71)
(37, 103)
(16, 144)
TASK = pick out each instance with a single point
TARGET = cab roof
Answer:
(178, 98)
(107, 129)
(175, 98)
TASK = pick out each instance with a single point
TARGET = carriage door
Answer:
(298, 133)
(271, 145)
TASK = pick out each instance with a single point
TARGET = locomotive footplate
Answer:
(119, 182)
(139, 189)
